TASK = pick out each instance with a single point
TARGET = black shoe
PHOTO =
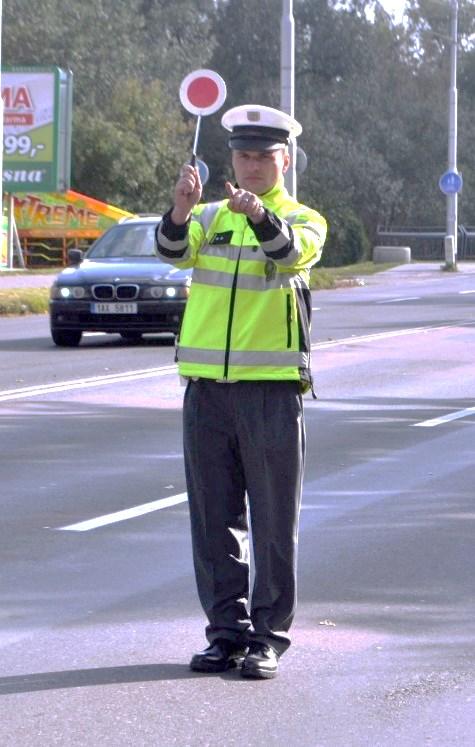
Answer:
(261, 662)
(221, 655)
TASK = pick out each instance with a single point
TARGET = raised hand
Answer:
(188, 190)
(244, 202)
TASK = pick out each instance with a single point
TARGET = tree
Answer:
(130, 152)
(371, 96)
(102, 40)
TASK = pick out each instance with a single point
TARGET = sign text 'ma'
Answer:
(17, 97)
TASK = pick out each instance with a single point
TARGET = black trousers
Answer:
(244, 447)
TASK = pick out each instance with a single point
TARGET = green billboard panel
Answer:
(37, 113)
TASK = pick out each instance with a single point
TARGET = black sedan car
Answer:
(119, 285)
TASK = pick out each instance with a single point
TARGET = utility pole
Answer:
(1, 139)
(287, 84)
(452, 197)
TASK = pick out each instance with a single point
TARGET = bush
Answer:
(347, 242)
(24, 301)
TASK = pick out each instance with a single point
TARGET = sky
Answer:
(395, 7)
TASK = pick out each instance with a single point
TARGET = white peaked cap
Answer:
(255, 127)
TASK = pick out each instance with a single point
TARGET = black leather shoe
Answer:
(261, 662)
(221, 655)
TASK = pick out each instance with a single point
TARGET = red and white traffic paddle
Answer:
(202, 92)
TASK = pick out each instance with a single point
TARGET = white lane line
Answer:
(387, 335)
(127, 513)
(316, 308)
(462, 293)
(398, 300)
(445, 418)
(64, 386)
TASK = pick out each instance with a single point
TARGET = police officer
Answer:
(244, 349)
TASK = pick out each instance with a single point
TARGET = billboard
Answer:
(37, 112)
(66, 215)
(4, 242)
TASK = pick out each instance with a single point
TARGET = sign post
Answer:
(287, 85)
(451, 179)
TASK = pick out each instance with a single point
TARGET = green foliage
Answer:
(130, 133)
(24, 301)
(347, 241)
(371, 95)
(130, 152)
(103, 40)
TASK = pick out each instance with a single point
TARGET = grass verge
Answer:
(14, 301)
(322, 278)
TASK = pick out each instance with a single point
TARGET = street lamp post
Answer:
(287, 87)
(452, 198)
(1, 139)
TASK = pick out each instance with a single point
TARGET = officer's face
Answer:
(258, 171)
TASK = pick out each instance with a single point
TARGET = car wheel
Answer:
(66, 338)
(133, 337)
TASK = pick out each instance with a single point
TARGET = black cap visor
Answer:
(258, 138)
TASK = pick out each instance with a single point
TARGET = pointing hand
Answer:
(246, 203)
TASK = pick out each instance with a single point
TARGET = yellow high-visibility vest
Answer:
(248, 313)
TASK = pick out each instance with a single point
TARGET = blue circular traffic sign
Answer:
(204, 171)
(451, 182)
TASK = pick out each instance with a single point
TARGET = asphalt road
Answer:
(99, 615)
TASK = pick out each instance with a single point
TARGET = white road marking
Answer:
(465, 292)
(147, 373)
(445, 418)
(387, 335)
(65, 386)
(398, 300)
(316, 308)
(127, 513)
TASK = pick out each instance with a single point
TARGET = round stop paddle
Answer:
(202, 92)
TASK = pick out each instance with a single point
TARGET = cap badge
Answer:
(253, 116)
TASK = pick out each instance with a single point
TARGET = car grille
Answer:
(122, 292)
(144, 321)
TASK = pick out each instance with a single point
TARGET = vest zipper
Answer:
(289, 321)
(232, 302)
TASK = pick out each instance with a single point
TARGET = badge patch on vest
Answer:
(222, 238)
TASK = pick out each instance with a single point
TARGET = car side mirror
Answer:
(75, 256)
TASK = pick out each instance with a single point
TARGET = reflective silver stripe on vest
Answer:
(292, 217)
(300, 282)
(173, 246)
(232, 252)
(295, 218)
(247, 282)
(278, 243)
(206, 216)
(299, 218)
(294, 359)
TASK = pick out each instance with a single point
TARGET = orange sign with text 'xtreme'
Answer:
(68, 215)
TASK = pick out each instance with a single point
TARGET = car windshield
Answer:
(133, 240)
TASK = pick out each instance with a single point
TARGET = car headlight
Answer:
(170, 291)
(156, 291)
(177, 291)
(68, 291)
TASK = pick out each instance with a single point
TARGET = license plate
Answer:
(113, 308)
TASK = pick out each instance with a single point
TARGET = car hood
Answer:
(122, 270)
